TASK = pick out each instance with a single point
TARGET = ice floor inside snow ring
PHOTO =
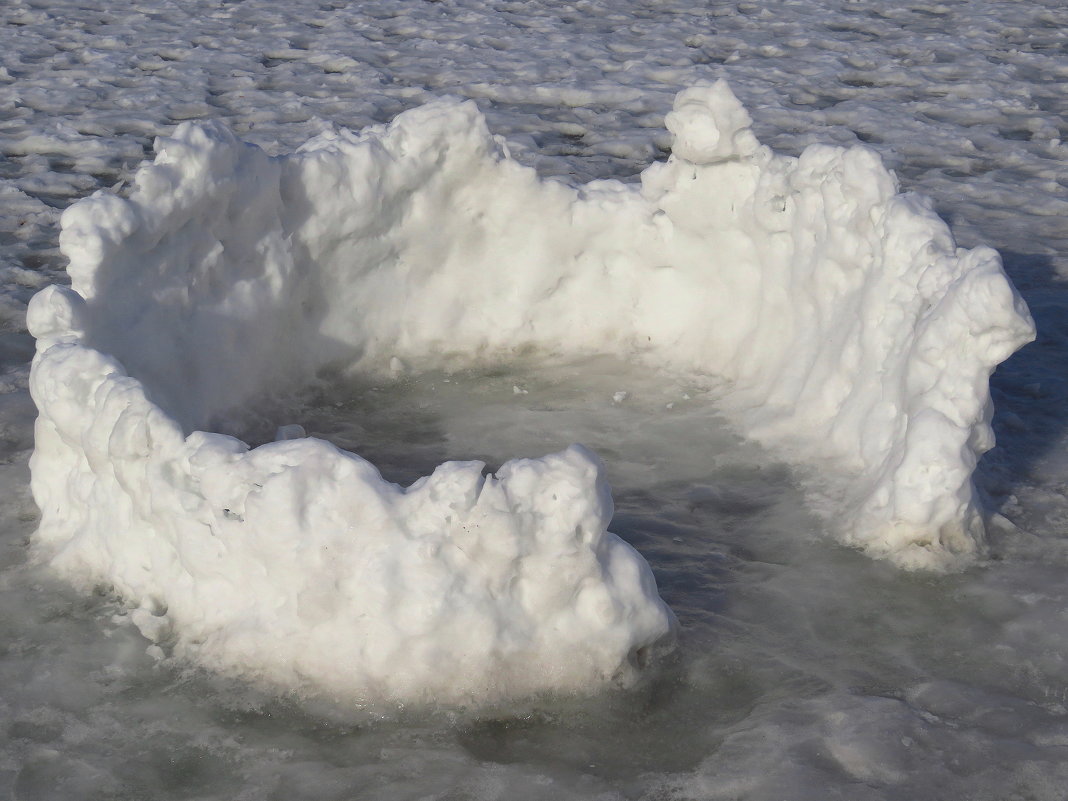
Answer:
(853, 333)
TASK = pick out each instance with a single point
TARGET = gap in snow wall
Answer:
(851, 330)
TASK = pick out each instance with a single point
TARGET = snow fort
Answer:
(852, 332)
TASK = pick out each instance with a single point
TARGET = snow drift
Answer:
(846, 322)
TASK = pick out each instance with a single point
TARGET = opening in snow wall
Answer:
(851, 330)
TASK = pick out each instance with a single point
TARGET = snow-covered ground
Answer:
(803, 669)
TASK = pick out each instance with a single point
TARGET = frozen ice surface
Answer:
(804, 671)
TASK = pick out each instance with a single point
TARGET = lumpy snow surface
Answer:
(803, 670)
(846, 323)
(296, 565)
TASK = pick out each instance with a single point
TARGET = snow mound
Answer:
(848, 324)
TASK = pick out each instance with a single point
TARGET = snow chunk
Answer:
(296, 565)
(290, 431)
(709, 124)
(853, 331)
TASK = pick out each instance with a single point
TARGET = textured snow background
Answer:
(805, 671)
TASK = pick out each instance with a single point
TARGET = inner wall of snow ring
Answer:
(851, 329)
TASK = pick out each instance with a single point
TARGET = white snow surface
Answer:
(803, 670)
(297, 566)
(840, 312)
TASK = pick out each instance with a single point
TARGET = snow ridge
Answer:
(853, 332)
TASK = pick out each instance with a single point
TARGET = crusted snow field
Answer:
(803, 670)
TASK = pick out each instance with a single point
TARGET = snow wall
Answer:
(852, 331)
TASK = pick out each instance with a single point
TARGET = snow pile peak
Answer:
(709, 124)
(854, 333)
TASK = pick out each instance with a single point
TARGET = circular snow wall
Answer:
(851, 329)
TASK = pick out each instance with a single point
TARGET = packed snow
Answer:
(333, 244)
(838, 310)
